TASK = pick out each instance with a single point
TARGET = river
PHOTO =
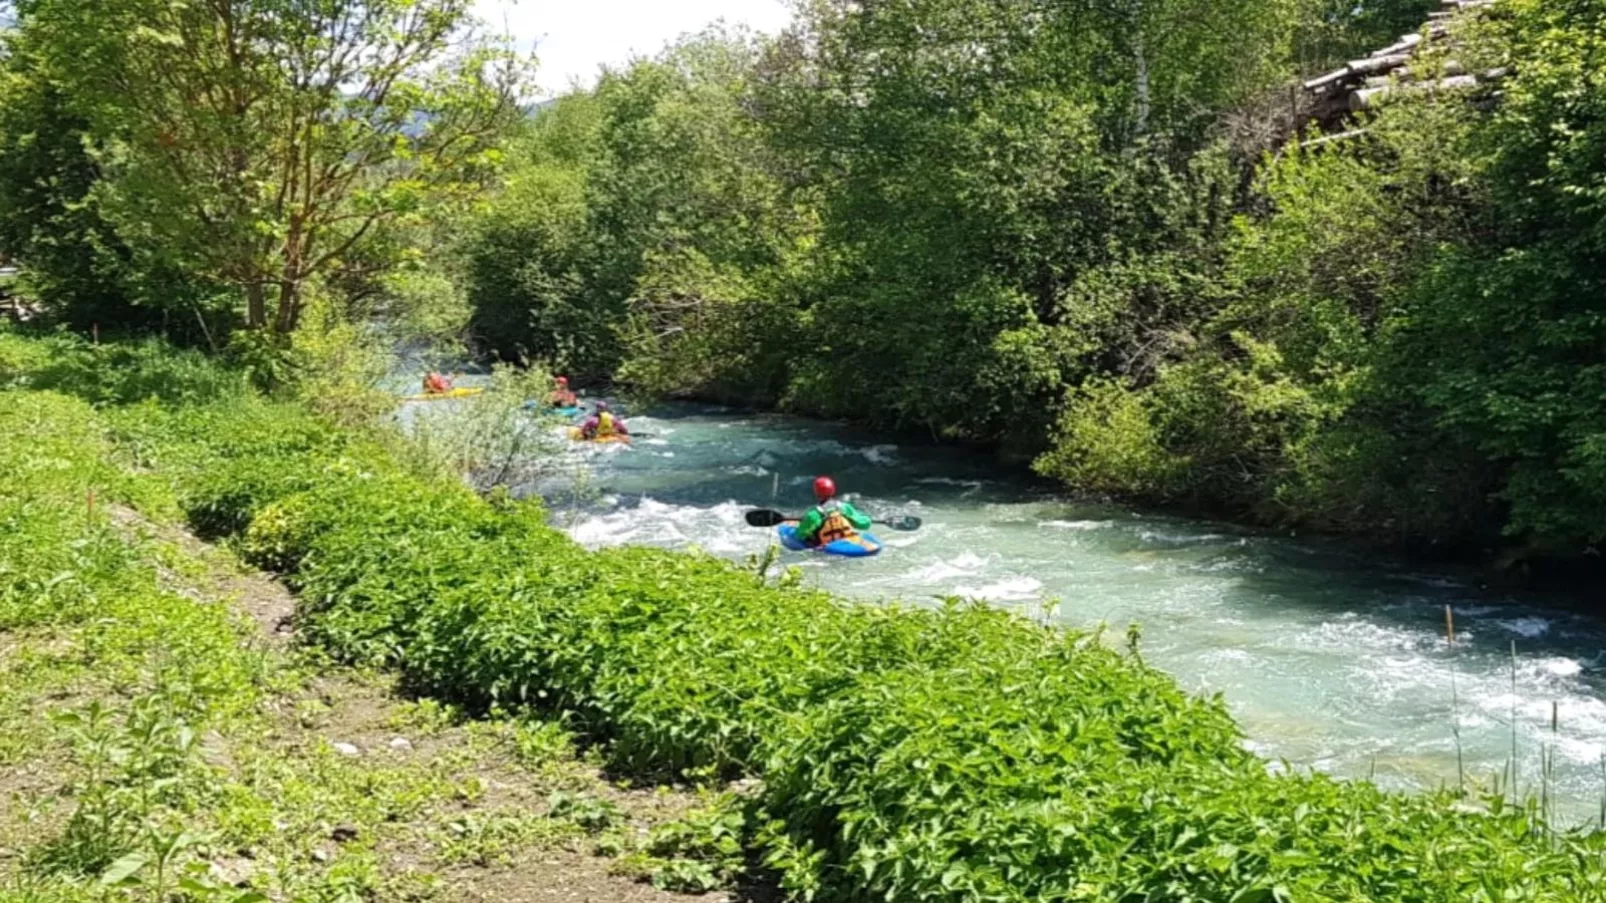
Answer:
(1331, 659)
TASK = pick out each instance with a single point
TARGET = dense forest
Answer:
(1105, 237)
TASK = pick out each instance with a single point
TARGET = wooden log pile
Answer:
(1387, 73)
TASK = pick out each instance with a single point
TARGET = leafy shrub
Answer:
(686, 876)
(703, 849)
(953, 754)
(591, 813)
(126, 372)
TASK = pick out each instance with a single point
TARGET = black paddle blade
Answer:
(907, 523)
(764, 517)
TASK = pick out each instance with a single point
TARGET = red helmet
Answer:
(563, 380)
(824, 488)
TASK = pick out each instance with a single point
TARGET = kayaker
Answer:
(561, 396)
(603, 424)
(436, 384)
(831, 519)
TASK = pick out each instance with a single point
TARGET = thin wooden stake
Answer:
(89, 505)
(1515, 799)
(1455, 708)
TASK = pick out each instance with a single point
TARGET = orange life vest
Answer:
(835, 526)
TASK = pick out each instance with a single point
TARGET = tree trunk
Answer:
(290, 277)
(1142, 90)
(289, 313)
(256, 308)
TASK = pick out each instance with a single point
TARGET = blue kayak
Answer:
(862, 545)
(571, 411)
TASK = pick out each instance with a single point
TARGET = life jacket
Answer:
(835, 526)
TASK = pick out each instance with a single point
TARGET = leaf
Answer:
(121, 873)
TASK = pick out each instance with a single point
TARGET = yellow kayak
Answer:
(616, 438)
(464, 392)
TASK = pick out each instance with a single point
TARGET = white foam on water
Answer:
(655, 441)
(1353, 634)
(935, 572)
(1529, 627)
(721, 529)
(1229, 565)
(971, 560)
(1179, 538)
(965, 565)
(748, 470)
(880, 454)
(1561, 666)
(1434, 581)
(949, 481)
(1475, 611)
(1012, 589)
(1080, 525)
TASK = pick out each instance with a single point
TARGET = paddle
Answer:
(764, 517)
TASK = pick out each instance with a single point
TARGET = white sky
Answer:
(574, 37)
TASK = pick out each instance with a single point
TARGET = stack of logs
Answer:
(1364, 83)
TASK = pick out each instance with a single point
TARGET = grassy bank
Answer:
(955, 754)
(162, 740)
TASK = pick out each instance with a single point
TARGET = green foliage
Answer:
(117, 372)
(644, 223)
(267, 144)
(959, 753)
(591, 813)
(702, 850)
(1401, 347)
(77, 267)
(1053, 229)
(526, 254)
(501, 439)
(169, 753)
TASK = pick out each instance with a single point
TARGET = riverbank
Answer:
(960, 753)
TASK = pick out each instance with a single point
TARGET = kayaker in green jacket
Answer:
(830, 520)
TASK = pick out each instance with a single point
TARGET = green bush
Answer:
(953, 754)
(123, 372)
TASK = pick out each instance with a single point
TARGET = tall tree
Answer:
(991, 170)
(262, 143)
